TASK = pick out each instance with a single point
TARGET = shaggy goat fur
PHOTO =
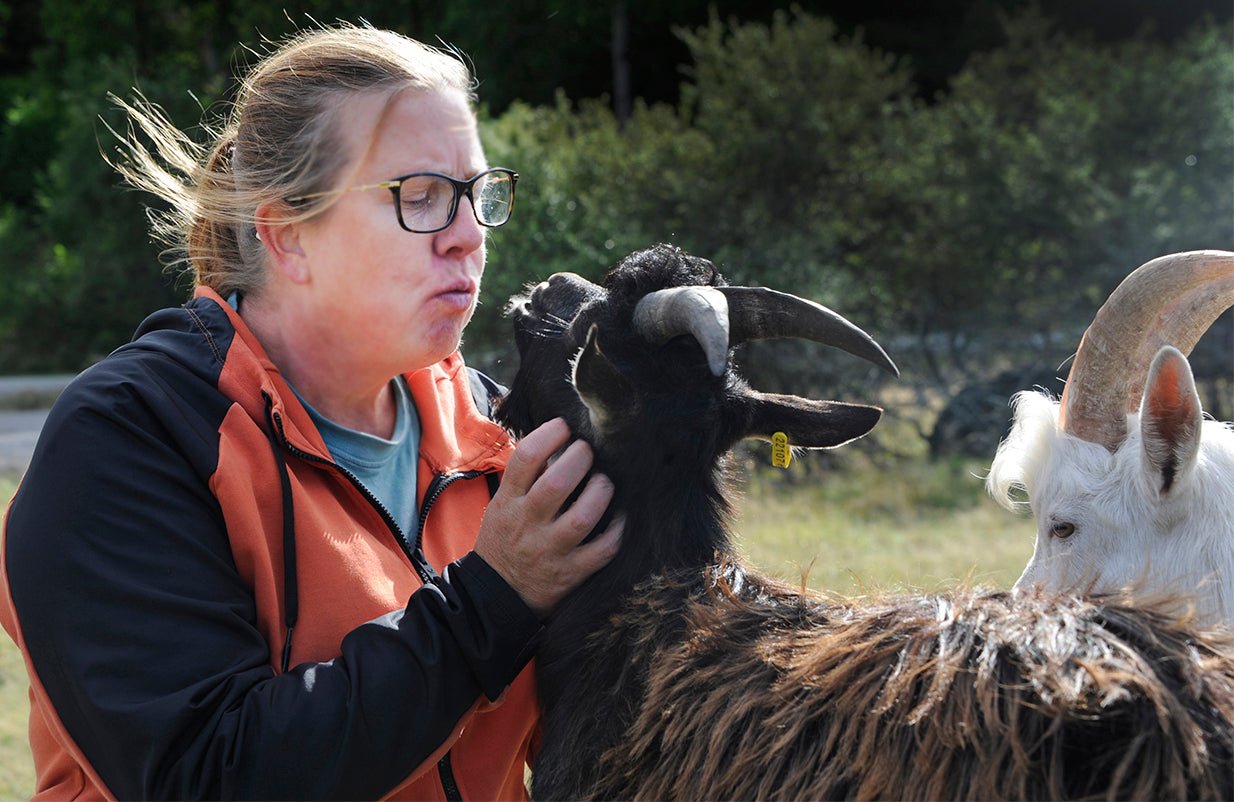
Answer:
(673, 673)
(969, 695)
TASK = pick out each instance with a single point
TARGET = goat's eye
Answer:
(1062, 529)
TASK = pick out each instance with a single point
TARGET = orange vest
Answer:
(350, 566)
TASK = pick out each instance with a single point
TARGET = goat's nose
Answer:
(553, 283)
(535, 300)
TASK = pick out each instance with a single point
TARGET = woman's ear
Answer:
(280, 238)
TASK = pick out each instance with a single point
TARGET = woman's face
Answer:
(390, 300)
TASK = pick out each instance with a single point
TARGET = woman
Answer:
(261, 551)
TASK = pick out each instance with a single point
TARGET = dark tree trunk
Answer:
(621, 63)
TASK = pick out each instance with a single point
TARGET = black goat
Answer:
(675, 672)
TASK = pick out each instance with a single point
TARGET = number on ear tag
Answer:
(781, 453)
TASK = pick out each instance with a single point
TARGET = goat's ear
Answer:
(1170, 419)
(808, 423)
(605, 392)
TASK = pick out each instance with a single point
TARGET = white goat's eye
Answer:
(1062, 529)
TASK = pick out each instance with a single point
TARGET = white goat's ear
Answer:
(1170, 418)
(603, 390)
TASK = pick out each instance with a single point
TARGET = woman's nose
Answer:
(464, 235)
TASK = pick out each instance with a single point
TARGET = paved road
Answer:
(19, 429)
(18, 433)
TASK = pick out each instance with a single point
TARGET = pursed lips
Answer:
(459, 294)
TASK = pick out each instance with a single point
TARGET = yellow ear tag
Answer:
(781, 454)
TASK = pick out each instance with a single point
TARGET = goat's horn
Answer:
(1171, 300)
(757, 313)
(701, 312)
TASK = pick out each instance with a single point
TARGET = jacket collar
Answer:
(454, 435)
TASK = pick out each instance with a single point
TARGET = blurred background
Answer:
(965, 179)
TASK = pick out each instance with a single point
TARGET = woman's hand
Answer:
(536, 550)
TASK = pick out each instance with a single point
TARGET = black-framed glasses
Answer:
(427, 202)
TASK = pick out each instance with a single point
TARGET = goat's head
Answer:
(1130, 487)
(638, 367)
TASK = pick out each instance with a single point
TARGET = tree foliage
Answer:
(969, 229)
(978, 230)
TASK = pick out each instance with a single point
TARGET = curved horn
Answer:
(1171, 300)
(701, 312)
(757, 313)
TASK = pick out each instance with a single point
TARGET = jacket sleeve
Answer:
(144, 636)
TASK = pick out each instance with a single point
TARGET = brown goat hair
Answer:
(970, 694)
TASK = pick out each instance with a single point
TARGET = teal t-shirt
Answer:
(386, 467)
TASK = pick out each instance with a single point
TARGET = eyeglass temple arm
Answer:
(381, 185)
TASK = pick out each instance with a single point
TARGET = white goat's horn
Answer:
(1171, 300)
(701, 312)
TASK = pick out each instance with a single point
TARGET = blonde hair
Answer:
(279, 139)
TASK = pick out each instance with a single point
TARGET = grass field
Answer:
(916, 526)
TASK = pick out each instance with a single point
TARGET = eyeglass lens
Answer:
(428, 201)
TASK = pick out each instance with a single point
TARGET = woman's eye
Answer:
(1062, 529)
(420, 194)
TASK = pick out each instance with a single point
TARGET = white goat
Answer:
(1130, 487)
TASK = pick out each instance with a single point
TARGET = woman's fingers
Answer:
(577, 520)
(533, 453)
(531, 536)
(559, 480)
(594, 555)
